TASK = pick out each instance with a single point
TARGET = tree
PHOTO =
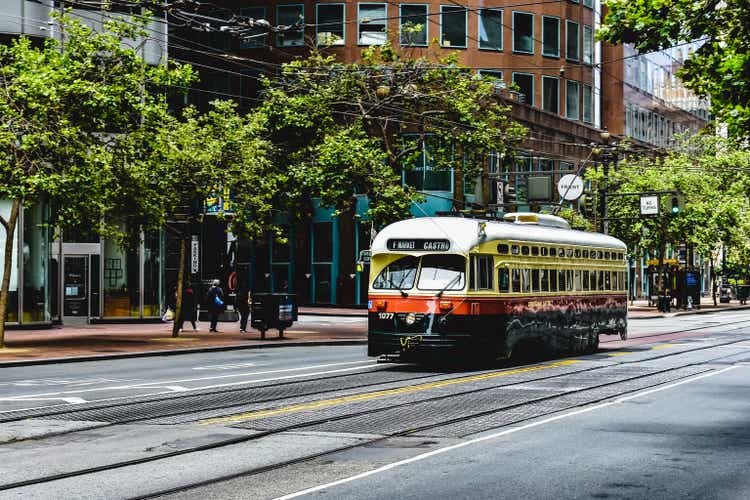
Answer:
(68, 123)
(712, 174)
(346, 129)
(231, 155)
(719, 68)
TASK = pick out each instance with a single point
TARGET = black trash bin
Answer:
(273, 310)
(743, 291)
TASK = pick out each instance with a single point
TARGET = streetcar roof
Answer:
(464, 234)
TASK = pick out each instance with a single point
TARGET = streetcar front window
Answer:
(398, 275)
(442, 272)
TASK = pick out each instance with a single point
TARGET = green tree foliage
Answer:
(69, 120)
(712, 174)
(720, 68)
(345, 129)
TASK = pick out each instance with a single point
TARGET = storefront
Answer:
(30, 279)
(99, 280)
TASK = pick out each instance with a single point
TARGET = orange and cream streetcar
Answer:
(468, 287)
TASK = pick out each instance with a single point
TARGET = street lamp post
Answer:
(604, 134)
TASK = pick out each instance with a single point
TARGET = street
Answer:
(661, 415)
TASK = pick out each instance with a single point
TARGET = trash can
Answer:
(742, 293)
(273, 310)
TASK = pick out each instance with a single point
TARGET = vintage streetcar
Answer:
(459, 288)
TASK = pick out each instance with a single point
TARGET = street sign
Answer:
(650, 205)
(195, 258)
(500, 194)
(570, 187)
(365, 256)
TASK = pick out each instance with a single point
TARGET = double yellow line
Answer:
(314, 405)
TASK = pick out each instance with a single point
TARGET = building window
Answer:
(423, 176)
(525, 83)
(588, 45)
(414, 28)
(330, 23)
(523, 32)
(571, 100)
(258, 37)
(571, 40)
(371, 23)
(493, 76)
(453, 26)
(491, 29)
(551, 94)
(289, 15)
(550, 36)
(588, 104)
(588, 3)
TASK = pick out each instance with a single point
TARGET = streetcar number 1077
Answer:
(385, 315)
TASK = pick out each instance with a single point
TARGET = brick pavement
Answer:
(102, 340)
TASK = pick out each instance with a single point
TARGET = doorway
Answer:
(75, 288)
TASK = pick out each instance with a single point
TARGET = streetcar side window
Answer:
(535, 251)
(553, 252)
(503, 280)
(561, 252)
(516, 274)
(552, 280)
(480, 273)
(524, 250)
(579, 286)
(615, 280)
(544, 278)
(515, 249)
(585, 279)
(535, 280)
(502, 248)
(525, 281)
(606, 255)
(600, 280)
(561, 280)
(578, 253)
(544, 251)
(569, 252)
(585, 254)
(569, 280)
(607, 281)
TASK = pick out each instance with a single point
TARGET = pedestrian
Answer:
(188, 313)
(243, 306)
(214, 304)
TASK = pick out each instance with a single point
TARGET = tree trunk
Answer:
(180, 285)
(10, 233)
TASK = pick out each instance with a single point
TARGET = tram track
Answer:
(615, 338)
(349, 415)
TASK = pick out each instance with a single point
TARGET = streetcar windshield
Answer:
(398, 275)
(442, 272)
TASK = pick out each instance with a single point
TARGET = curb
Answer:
(695, 311)
(173, 352)
(356, 315)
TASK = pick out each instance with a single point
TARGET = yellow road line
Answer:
(621, 353)
(663, 346)
(380, 394)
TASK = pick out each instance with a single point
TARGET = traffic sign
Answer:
(650, 205)
(570, 187)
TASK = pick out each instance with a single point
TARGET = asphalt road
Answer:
(662, 415)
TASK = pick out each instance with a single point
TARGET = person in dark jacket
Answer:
(189, 312)
(243, 306)
(214, 307)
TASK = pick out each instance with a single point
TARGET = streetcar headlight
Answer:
(410, 319)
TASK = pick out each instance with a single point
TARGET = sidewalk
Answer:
(639, 309)
(72, 343)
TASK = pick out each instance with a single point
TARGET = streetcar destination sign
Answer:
(419, 245)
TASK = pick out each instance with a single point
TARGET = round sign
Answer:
(570, 187)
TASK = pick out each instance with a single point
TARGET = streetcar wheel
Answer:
(593, 344)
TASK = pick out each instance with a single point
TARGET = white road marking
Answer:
(489, 437)
(161, 383)
(187, 389)
(73, 401)
(224, 367)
